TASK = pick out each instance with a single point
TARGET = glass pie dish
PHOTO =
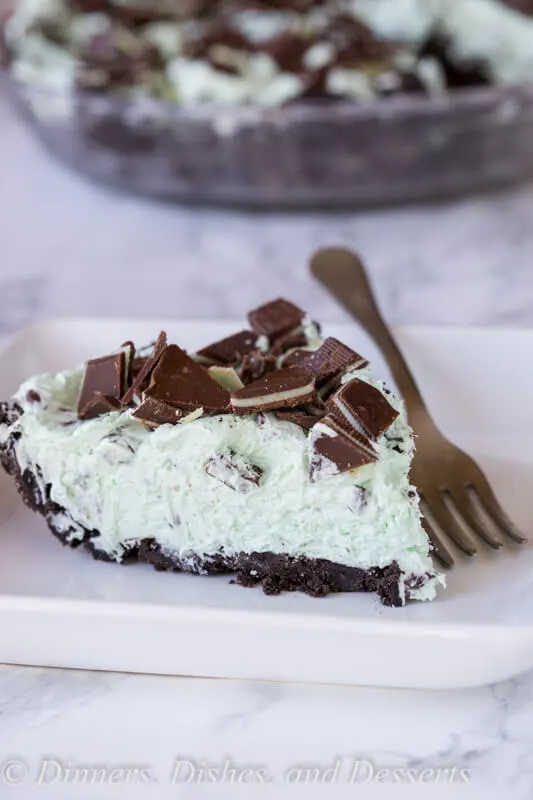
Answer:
(306, 154)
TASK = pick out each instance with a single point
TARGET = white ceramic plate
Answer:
(59, 607)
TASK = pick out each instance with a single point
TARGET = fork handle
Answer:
(344, 275)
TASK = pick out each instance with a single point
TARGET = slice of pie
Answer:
(272, 454)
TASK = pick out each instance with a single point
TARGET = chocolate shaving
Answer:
(233, 471)
(98, 405)
(140, 382)
(154, 413)
(276, 318)
(283, 388)
(182, 383)
(103, 376)
(230, 350)
(363, 407)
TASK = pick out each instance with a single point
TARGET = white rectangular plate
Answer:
(59, 607)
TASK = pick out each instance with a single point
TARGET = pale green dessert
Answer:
(231, 487)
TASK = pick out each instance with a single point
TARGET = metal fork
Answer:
(456, 498)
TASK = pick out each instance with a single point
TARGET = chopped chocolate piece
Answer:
(154, 413)
(332, 359)
(289, 340)
(230, 350)
(137, 365)
(305, 421)
(140, 382)
(343, 428)
(33, 397)
(129, 353)
(103, 376)
(331, 455)
(256, 365)
(283, 388)
(226, 377)
(298, 358)
(181, 382)
(364, 407)
(233, 471)
(276, 318)
(329, 362)
(99, 404)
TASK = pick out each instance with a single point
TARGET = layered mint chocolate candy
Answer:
(272, 454)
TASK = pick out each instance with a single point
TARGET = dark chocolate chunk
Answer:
(289, 340)
(137, 365)
(129, 353)
(276, 318)
(230, 350)
(33, 397)
(255, 365)
(153, 413)
(182, 383)
(103, 376)
(363, 407)
(226, 377)
(283, 388)
(298, 358)
(141, 380)
(343, 428)
(99, 404)
(300, 418)
(330, 455)
(234, 471)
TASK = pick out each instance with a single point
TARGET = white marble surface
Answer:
(68, 248)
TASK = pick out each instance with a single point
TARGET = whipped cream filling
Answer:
(113, 475)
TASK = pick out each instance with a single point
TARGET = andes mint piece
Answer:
(229, 350)
(343, 428)
(154, 413)
(99, 404)
(288, 341)
(332, 455)
(300, 418)
(363, 407)
(255, 365)
(105, 376)
(329, 362)
(140, 381)
(276, 318)
(283, 388)
(233, 471)
(226, 377)
(128, 349)
(137, 365)
(181, 382)
(298, 358)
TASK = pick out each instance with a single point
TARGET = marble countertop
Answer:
(68, 248)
